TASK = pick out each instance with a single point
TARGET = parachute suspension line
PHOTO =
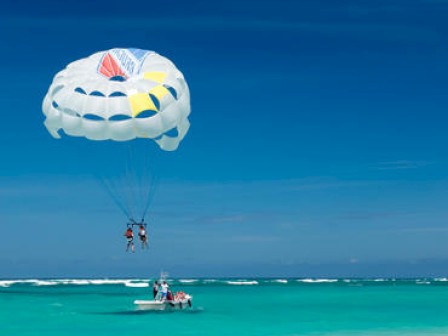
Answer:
(152, 186)
(109, 189)
(134, 164)
(147, 186)
(139, 183)
(128, 184)
(118, 192)
(143, 183)
(119, 195)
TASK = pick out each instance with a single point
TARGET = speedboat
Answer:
(174, 301)
(175, 304)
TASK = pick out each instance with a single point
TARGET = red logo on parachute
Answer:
(110, 68)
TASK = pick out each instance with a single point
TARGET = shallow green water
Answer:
(222, 308)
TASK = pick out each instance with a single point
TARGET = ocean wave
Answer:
(45, 283)
(136, 284)
(188, 280)
(283, 281)
(6, 283)
(143, 283)
(98, 282)
(242, 283)
(77, 282)
(109, 281)
(317, 280)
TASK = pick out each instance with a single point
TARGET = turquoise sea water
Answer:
(228, 307)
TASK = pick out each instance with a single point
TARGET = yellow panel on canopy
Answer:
(141, 102)
(159, 92)
(155, 76)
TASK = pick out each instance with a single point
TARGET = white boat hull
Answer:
(164, 305)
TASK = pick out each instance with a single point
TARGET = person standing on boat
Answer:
(164, 290)
(155, 289)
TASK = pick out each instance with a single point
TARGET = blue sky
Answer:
(318, 143)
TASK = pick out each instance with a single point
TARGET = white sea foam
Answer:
(317, 280)
(109, 281)
(188, 280)
(146, 282)
(283, 281)
(242, 283)
(6, 283)
(71, 281)
(77, 282)
(136, 284)
(45, 283)
(210, 280)
(52, 282)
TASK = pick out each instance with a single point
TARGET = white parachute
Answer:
(120, 94)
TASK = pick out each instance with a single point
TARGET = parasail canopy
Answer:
(120, 95)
